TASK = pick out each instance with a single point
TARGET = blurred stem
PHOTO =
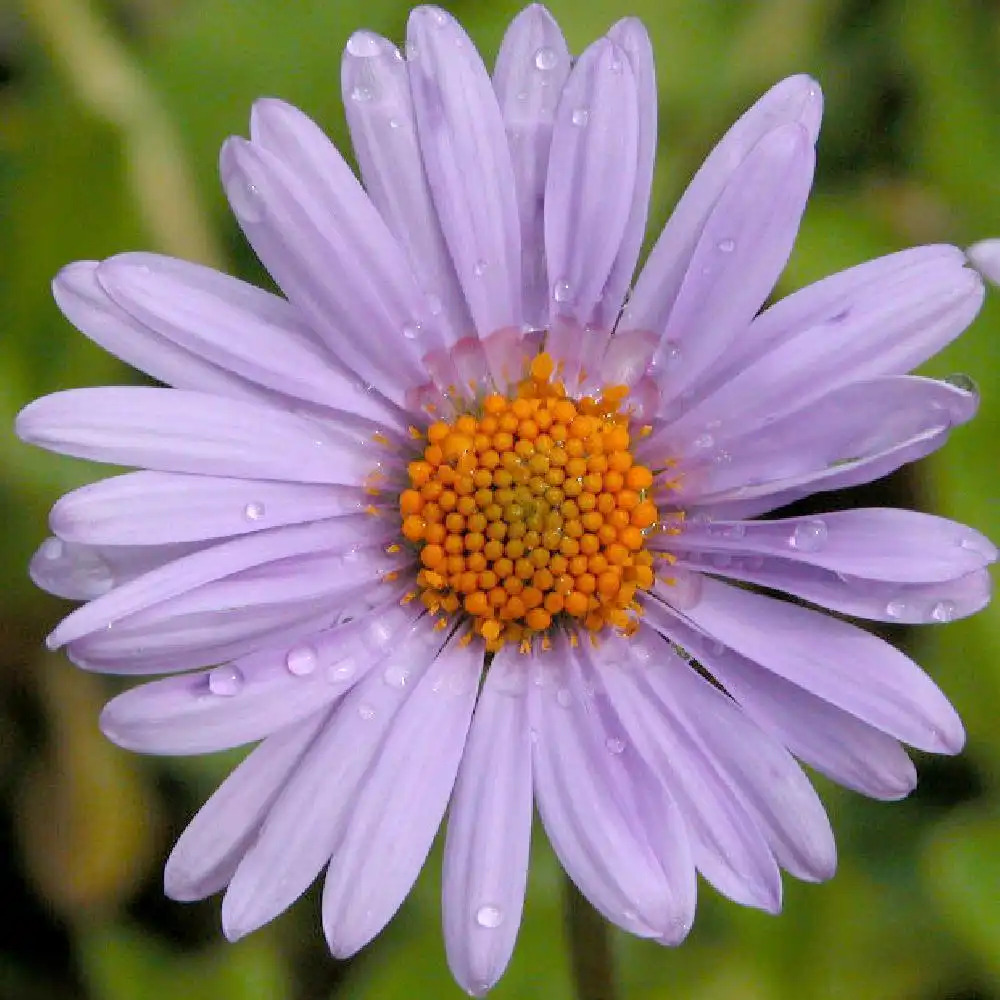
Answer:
(590, 948)
(111, 85)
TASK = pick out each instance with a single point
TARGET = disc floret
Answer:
(531, 512)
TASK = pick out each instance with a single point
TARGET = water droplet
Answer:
(411, 50)
(944, 611)
(809, 536)
(479, 268)
(253, 511)
(366, 712)
(580, 117)
(615, 746)
(411, 331)
(979, 545)
(489, 916)
(562, 291)
(512, 682)
(896, 608)
(396, 676)
(546, 58)
(301, 660)
(246, 201)
(363, 44)
(726, 246)
(439, 16)
(703, 442)
(964, 382)
(226, 680)
(616, 63)
(564, 698)
(533, 735)
(434, 305)
(341, 672)
(52, 549)
(669, 353)
(362, 93)
(395, 123)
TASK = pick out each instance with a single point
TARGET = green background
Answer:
(111, 116)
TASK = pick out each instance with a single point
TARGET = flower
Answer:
(453, 521)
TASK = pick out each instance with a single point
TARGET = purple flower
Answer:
(450, 522)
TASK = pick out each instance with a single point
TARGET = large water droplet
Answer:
(226, 680)
(615, 746)
(396, 676)
(489, 916)
(809, 536)
(301, 660)
(246, 201)
(562, 291)
(363, 44)
(254, 511)
(411, 331)
(944, 611)
(366, 712)
(434, 305)
(896, 608)
(580, 117)
(546, 58)
(726, 246)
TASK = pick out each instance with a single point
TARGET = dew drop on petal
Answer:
(489, 916)
(246, 201)
(979, 545)
(726, 246)
(341, 672)
(562, 291)
(580, 117)
(810, 536)
(395, 123)
(52, 549)
(434, 305)
(362, 93)
(896, 608)
(564, 698)
(944, 611)
(363, 44)
(301, 660)
(440, 18)
(226, 680)
(253, 511)
(615, 746)
(396, 676)
(366, 712)
(479, 268)
(546, 58)
(703, 442)
(411, 331)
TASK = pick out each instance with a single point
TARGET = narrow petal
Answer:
(727, 845)
(877, 543)
(82, 572)
(255, 695)
(91, 310)
(215, 563)
(834, 742)
(907, 436)
(857, 596)
(590, 810)
(177, 431)
(489, 832)
(531, 70)
(376, 85)
(329, 250)
(631, 36)
(743, 248)
(209, 850)
(591, 180)
(238, 328)
(835, 661)
(399, 807)
(468, 165)
(878, 328)
(756, 767)
(155, 508)
(306, 822)
(795, 100)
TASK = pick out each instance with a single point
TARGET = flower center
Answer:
(532, 512)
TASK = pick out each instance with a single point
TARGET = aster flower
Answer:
(460, 520)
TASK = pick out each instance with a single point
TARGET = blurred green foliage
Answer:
(111, 116)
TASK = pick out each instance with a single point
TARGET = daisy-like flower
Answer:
(460, 519)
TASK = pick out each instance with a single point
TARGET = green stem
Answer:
(590, 948)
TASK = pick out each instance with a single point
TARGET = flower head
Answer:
(460, 519)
